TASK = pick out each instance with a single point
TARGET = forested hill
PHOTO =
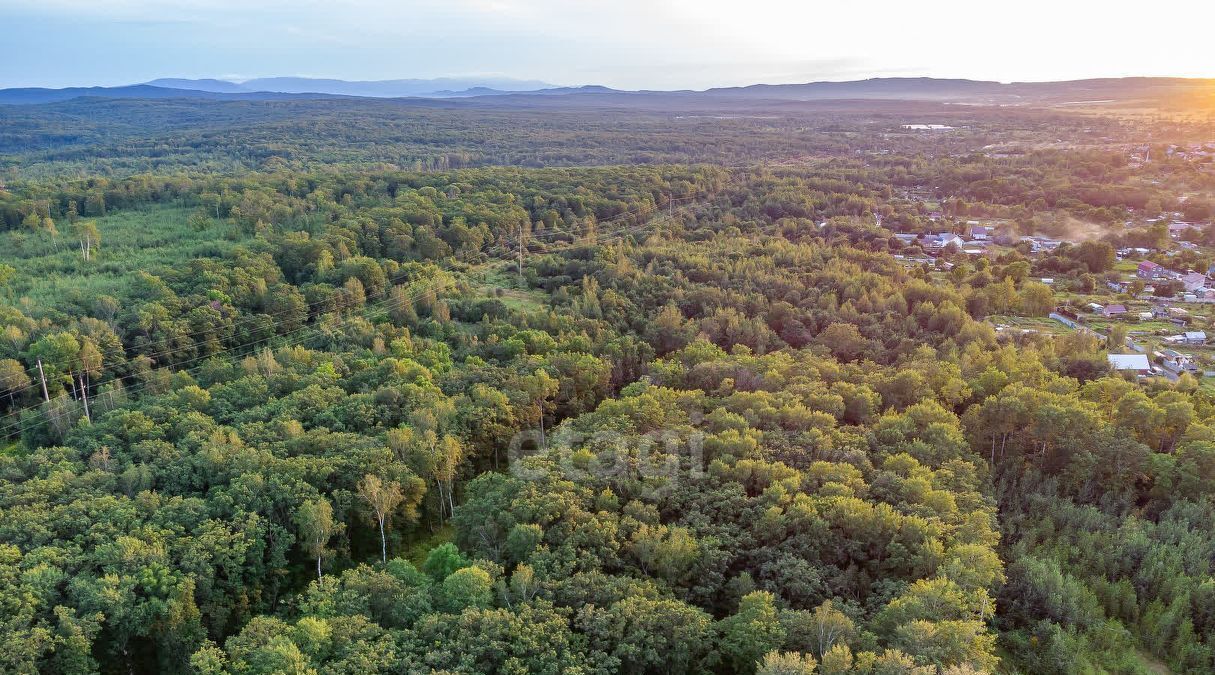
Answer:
(89, 138)
(1154, 90)
(38, 95)
(633, 419)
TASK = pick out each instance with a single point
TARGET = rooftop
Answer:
(1129, 362)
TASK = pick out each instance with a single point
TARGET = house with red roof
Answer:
(1150, 270)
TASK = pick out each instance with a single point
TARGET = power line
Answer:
(367, 310)
(289, 343)
(620, 235)
(249, 320)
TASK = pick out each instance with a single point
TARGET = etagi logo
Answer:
(607, 454)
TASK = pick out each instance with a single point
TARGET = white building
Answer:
(1194, 281)
(1136, 363)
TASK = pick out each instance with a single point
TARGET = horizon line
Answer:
(758, 83)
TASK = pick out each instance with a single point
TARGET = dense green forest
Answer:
(320, 404)
(90, 138)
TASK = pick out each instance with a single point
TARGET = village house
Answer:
(980, 232)
(1040, 244)
(1114, 311)
(1187, 338)
(1176, 228)
(1130, 363)
(1150, 270)
(1048, 244)
(1194, 281)
(1176, 362)
(943, 240)
(1064, 310)
(931, 243)
(1160, 312)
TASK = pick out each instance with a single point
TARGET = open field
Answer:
(53, 275)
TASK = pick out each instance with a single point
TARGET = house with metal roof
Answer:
(1133, 363)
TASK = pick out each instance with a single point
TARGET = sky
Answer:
(630, 44)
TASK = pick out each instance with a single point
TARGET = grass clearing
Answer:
(1038, 323)
(502, 283)
(53, 275)
(1153, 665)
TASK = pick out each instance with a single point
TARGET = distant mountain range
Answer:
(440, 87)
(504, 91)
(213, 86)
(34, 95)
(979, 91)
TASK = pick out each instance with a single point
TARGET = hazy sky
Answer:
(622, 43)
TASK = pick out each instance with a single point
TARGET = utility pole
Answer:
(42, 376)
(525, 230)
(84, 396)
